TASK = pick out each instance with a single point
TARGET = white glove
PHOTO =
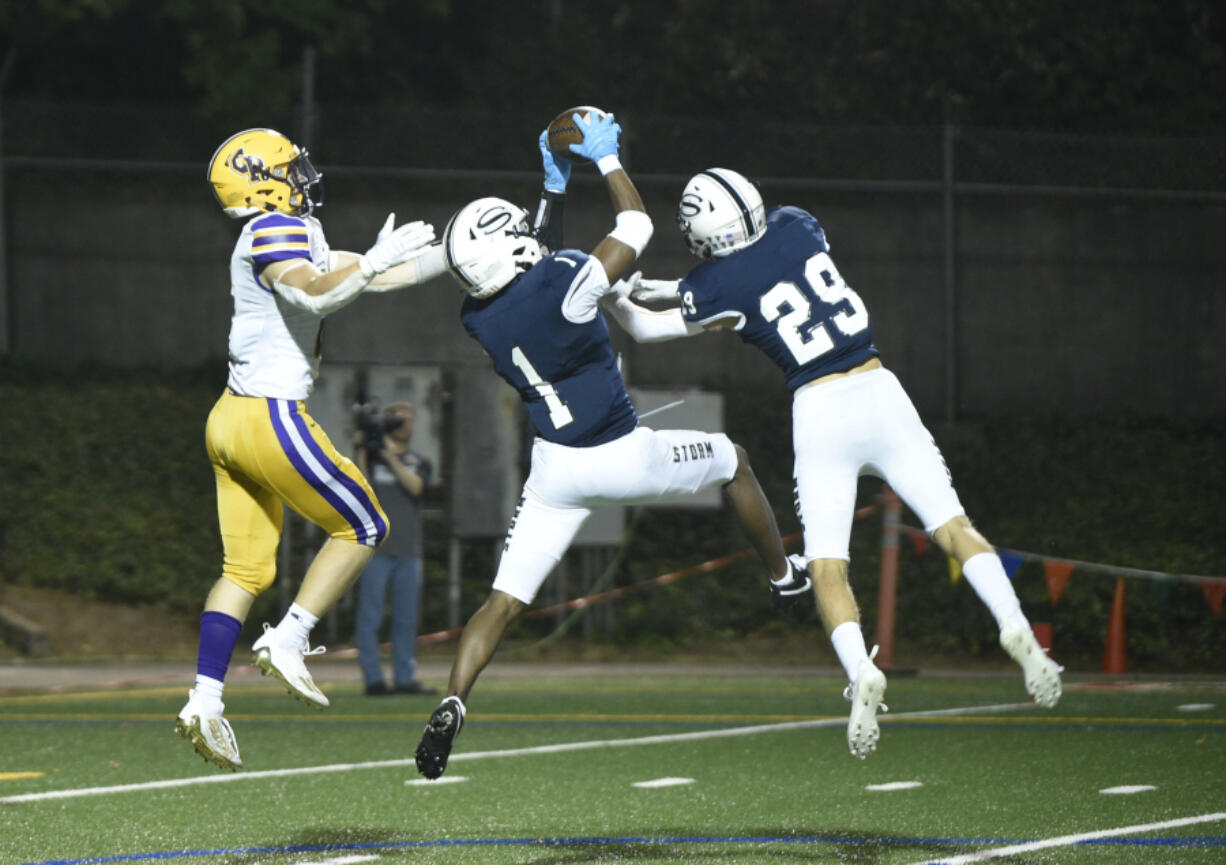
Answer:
(652, 289)
(394, 245)
(621, 288)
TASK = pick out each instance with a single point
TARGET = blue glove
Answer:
(599, 135)
(557, 171)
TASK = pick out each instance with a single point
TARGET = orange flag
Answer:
(1057, 574)
(1214, 593)
(919, 540)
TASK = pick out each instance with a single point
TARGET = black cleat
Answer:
(789, 590)
(435, 746)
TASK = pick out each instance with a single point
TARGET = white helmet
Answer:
(488, 243)
(720, 212)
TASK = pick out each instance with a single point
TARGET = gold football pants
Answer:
(266, 452)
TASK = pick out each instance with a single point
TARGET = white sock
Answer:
(848, 641)
(987, 577)
(208, 694)
(294, 629)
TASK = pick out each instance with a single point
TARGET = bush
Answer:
(107, 491)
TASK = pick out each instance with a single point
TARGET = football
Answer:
(562, 132)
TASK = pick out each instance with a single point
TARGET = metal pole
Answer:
(891, 510)
(306, 135)
(453, 582)
(285, 559)
(951, 323)
(6, 345)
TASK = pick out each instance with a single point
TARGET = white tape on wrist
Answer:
(609, 163)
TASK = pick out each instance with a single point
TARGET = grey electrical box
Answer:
(488, 474)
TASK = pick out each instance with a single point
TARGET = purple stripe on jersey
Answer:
(327, 486)
(263, 259)
(290, 234)
(282, 229)
(278, 220)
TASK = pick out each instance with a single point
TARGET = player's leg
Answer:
(826, 471)
(291, 454)
(281, 651)
(478, 642)
(541, 532)
(756, 517)
(539, 536)
(916, 470)
(249, 518)
(986, 575)
(371, 601)
(201, 720)
(981, 567)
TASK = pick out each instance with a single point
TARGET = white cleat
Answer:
(1041, 672)
(210, 735)
(865, 694)
(288, 666)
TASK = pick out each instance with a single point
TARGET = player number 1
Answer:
(559, 414)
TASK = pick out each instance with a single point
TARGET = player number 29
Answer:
(823, 276)
(559, 414)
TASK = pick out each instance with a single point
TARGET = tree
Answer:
(1128, 66)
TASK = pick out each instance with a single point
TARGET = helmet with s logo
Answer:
(488, 243)
(720, 212)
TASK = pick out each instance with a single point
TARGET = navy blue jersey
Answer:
(565, 372)
(788, 298)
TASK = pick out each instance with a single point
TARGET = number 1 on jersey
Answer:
(559, 414)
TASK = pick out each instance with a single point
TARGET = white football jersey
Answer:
(274, 347)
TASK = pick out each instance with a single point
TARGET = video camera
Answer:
(374, 424)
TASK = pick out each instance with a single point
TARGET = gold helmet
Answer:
(260, 170)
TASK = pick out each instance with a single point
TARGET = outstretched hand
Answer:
(600, 135)
(557, 171)
(396, 245)
(651, 290)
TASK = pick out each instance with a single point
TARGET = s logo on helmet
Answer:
(493, 220)
(251, 167)
(690, 206)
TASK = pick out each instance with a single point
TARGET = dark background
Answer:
(1126, 66)
(1089, 190)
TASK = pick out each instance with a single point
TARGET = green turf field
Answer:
(551, 769)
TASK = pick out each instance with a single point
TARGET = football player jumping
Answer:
(537, 315)
(768, 275)
(265, 449)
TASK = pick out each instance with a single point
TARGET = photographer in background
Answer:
(399, 477)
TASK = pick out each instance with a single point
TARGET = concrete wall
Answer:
(1064, 303)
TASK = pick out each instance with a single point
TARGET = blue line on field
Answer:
(1169, 841)
(1189, 841)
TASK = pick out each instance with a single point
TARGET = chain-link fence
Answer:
(398, 138)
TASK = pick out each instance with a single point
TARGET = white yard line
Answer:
(484, 755)
(1069, 840)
